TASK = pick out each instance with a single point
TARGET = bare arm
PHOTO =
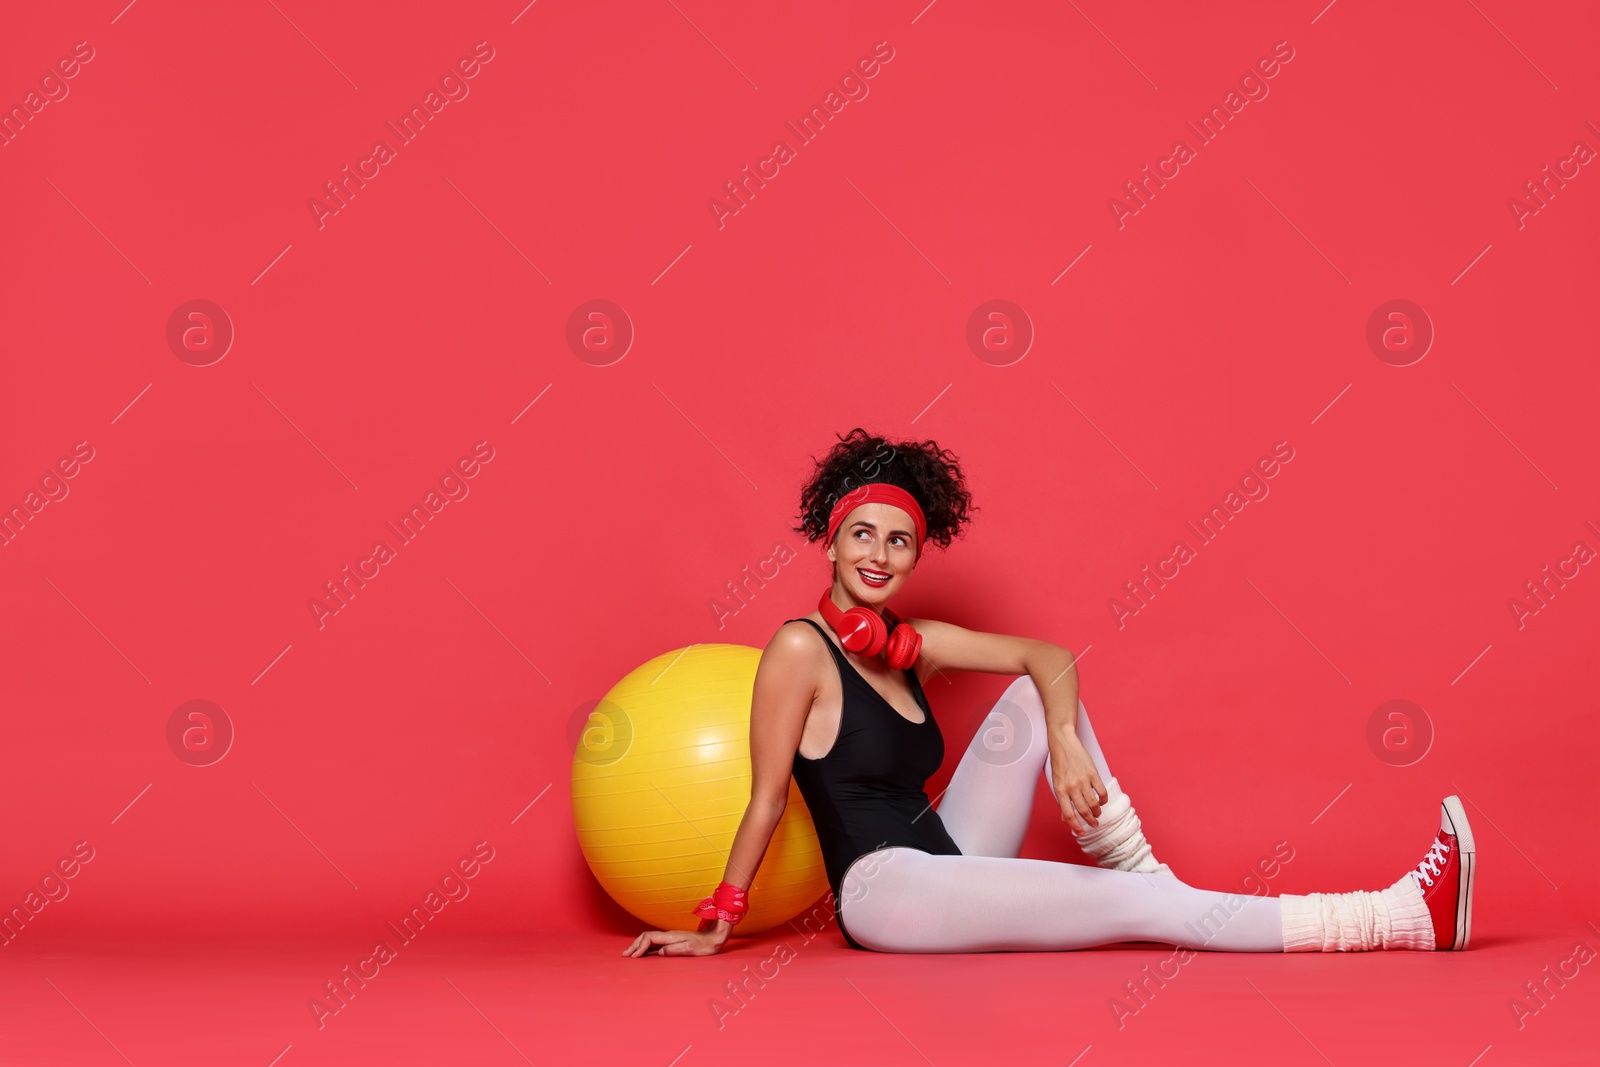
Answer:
(785, 687)
(1054, 671)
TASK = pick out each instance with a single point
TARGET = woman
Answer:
(838, 704)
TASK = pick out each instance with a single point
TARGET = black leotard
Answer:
(868, 792)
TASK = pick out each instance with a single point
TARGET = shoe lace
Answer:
(1431, 863)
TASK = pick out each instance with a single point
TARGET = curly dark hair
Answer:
(929, 473)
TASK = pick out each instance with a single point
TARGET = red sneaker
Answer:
(1445, 877)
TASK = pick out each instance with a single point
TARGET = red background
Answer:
(374, 351)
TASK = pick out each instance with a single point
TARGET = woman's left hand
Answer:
(1076, 783)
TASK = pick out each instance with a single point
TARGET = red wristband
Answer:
(727, 903)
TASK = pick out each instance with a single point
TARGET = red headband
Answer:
(881, 493)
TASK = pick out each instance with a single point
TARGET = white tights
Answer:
(989, 900)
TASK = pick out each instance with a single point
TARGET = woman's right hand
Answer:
(676, 943)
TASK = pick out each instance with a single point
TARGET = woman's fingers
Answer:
(645, 941)
(1069, 813)
(1087, 801)
(671, 942)
(1083, 800)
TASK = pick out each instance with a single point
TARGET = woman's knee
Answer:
(1023, 695)
(1024, 692)
(1015, 727)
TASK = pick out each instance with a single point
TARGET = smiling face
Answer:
(873, 554)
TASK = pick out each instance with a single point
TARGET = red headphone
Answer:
(862, 631)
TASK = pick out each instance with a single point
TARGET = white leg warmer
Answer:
(1396, 917)
(1118, 841)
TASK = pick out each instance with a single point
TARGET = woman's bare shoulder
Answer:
(795, 640)
(792, 660)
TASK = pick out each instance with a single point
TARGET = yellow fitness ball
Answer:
(660, 781)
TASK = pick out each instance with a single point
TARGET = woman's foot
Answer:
(1445, 875)
(1428, 908)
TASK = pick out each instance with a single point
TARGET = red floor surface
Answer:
(575, 999)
